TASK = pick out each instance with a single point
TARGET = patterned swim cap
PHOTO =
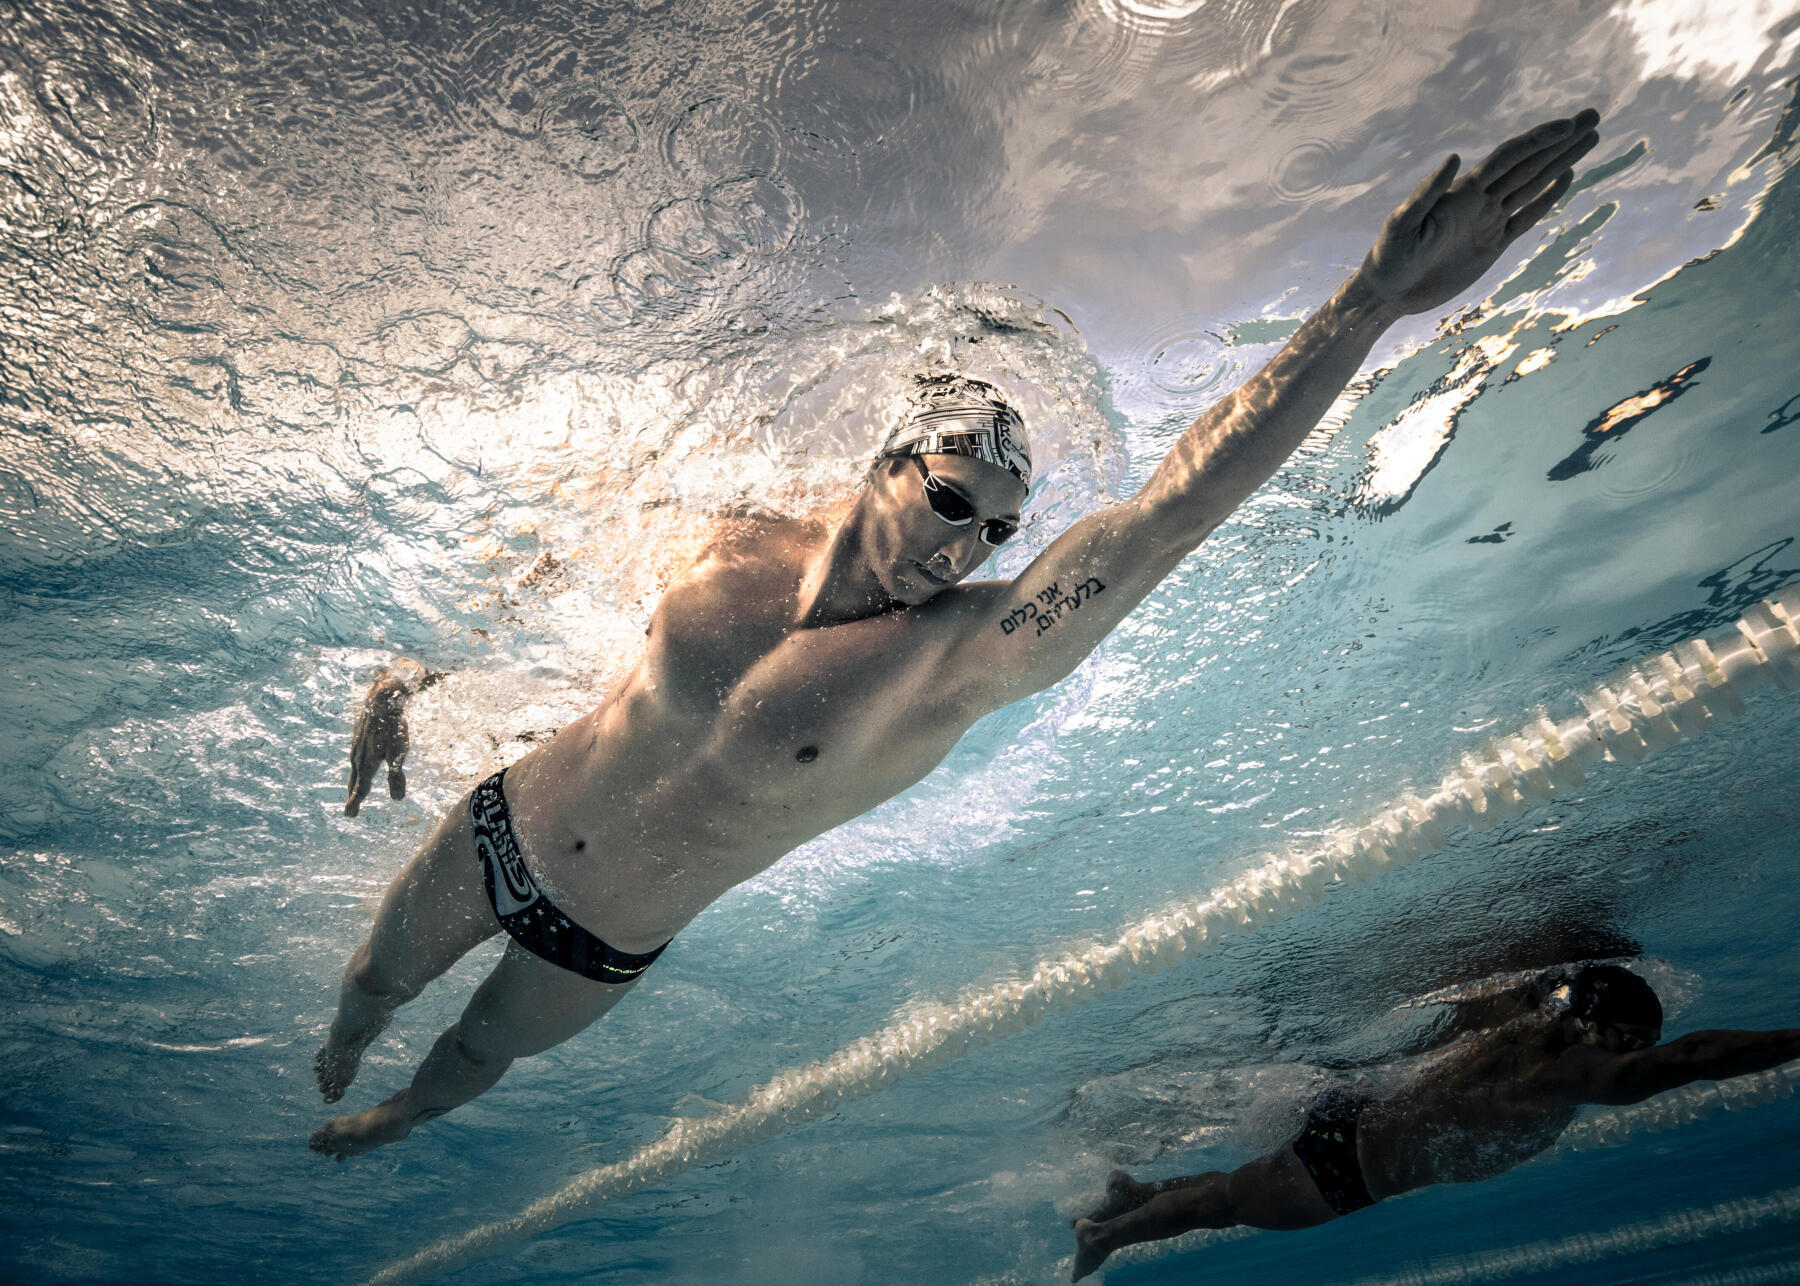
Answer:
(956, 415)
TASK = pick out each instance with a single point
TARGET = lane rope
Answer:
(1680, 1227)
(1663, 698)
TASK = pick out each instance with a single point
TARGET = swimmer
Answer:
(1489, 1101)
(381, 735)
(804, 672)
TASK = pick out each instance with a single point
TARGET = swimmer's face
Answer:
(920, 548)
(1617, 1038)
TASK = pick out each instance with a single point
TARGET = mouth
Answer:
(941, 582)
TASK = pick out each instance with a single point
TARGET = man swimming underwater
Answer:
(1494, 1099)
(802, 673)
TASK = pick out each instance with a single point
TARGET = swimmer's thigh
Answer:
(437, 907)
(1275, 1191)
(526, 1005)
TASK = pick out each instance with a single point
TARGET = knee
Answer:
(471, 1048)
(483, 1039)
(487, 1044)
(384, 984)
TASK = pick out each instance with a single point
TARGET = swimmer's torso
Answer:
(1477, 1113)
(739, 736)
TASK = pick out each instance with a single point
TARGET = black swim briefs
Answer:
(529, 917)
(1326, 1146)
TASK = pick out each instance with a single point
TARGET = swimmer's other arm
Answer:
(1025, 636)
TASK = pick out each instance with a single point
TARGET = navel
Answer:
(806, 754)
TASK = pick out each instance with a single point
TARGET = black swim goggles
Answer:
(954, 508)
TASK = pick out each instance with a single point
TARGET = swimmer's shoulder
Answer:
(753, 561)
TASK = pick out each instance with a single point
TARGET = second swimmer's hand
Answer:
(1451, 230)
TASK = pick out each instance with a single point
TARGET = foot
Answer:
(334, 1066)
(1088, 1256)
(1122, 1194)
(387, 1122)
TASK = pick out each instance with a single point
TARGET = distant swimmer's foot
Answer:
(1088, 1256)
(387, 1122)
(1123, 1194)
(334, 1066)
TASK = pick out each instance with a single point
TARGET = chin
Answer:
(913, 586)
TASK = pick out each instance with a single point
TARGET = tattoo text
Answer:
(1047, 608)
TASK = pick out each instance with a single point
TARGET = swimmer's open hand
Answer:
(1451, 230)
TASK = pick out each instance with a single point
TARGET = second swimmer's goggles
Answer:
(952, 507)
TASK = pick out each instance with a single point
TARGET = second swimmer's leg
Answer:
(433, 913)
(524, 1007)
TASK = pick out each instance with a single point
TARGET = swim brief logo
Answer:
(514, 889)
(511, 884)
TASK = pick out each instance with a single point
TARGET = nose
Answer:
(958, 554)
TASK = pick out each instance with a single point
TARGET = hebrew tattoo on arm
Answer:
(1045, 608)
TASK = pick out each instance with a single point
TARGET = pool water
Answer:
(332, 332)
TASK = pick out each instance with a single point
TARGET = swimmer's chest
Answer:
(805, 706)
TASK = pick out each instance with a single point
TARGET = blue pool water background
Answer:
(330, 333)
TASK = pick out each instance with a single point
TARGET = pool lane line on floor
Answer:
(1663, 698)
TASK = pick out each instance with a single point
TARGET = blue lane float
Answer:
(1661, 699)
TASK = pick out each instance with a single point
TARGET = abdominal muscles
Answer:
(641, 820)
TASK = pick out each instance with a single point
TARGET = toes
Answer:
(334, 1072)
(330, 1089)
(327, 1140)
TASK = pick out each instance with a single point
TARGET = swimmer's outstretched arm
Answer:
(1622, 1079)
(1027, 635)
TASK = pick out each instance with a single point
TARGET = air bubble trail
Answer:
(1660, 700)
(1677, 1228)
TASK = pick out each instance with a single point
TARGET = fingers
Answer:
(1538, 141)
(1532, 142)
(1419, 204)
(1540, 205)
(1530, 175)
